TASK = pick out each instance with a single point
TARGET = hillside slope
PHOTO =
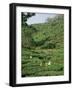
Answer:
(43, 48)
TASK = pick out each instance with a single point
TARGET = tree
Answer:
(26, 29)
(25, 16)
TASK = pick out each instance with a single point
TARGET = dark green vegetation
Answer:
(43, 48)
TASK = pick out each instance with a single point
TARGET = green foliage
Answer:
(51, 33)
(32, 67)
(43, 44)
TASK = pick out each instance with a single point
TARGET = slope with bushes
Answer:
(43, 48)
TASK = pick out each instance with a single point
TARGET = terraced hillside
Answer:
(43, 48)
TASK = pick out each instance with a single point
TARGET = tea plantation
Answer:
(43, 48)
